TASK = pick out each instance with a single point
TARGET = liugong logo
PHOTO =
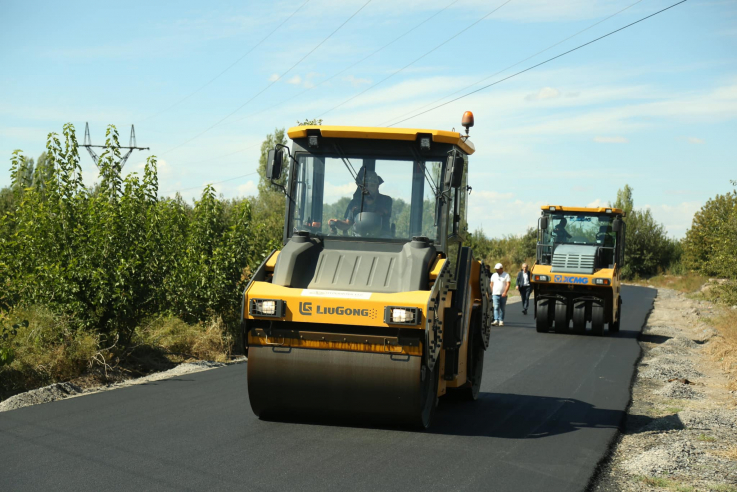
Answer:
(305, 309)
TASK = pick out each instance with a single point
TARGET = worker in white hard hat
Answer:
(500, 283)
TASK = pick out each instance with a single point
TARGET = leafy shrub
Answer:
(711, 242)
(114, 256)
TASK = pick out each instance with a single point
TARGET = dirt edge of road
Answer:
(61, 391)
(680, 429)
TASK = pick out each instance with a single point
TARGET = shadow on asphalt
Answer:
(511, 416)
(502, 415)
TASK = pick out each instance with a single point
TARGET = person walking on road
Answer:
(500, 283)
(524, 287)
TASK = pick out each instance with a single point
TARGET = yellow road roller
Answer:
(373, 308)
(576, 276)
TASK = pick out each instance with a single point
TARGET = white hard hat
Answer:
(498, 266)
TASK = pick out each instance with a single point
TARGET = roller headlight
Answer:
(272, 308)
(602, 281)
(542, 278)
(395, 315)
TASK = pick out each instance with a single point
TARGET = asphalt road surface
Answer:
(550, 406)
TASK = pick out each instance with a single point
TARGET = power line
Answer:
(350, 66)
(229, 66)
(416, 60)
(327, 80)
(539, 64)
(268, 86)
(510, 66)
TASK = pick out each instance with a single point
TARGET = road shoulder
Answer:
(680, 432)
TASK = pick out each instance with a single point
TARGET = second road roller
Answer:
(373, 308)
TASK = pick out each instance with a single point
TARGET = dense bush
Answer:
(509, 250)
(111, 257)
(710, 246)
(648, 249)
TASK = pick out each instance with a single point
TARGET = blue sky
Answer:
(654, 106)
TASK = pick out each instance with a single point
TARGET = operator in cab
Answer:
(560, 234)
(373, 202)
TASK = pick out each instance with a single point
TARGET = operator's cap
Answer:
(498, 266)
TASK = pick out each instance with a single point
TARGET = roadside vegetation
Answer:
(114, 278)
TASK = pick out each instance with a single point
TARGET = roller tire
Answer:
(579, 318)
(614, 327)
(429, 397)
(597, 319)
(561, 317)
(475, 360)
(542, 319)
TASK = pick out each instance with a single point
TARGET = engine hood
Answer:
(574, 258)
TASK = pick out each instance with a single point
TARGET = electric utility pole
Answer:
(131, 146)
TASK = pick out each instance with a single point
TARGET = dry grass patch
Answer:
(724, 347)
(182, 341)
(688, 283)
(41, 348)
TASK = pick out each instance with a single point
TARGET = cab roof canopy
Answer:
(382, 133)
(595, 210)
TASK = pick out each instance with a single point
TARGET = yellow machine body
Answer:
(329, 329)
(576, 277)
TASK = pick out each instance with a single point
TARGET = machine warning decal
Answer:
(338, 294)
(566, 279)
(306, 309)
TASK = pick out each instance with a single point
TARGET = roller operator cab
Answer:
(373, 308)
(576, 276)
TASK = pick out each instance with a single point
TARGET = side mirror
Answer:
(617, 225)
(274, 163)
(454, 170)
(543, 223)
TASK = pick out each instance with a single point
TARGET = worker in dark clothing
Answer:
(524, 286)
(366, 199)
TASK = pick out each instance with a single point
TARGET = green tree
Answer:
(270, 205)
(624, 200)
(711, 242)
(648, 248)
(314, 121)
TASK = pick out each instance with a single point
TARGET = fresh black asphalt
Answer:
(550, 407)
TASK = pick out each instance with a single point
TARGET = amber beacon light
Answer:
(467, 121)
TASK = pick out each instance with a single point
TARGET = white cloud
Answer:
(355, 82)
(333, 192)
(676, 218)
(248, 189)
(499, 213)
(493, 196)
(544, 93)
(597, 203)
(695, 140)
(274, 77)
(296, 80)
(616, 140)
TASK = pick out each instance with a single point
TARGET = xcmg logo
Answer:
(570, 280)
(305, 309)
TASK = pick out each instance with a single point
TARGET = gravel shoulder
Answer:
(680, 432)
(61, 391)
